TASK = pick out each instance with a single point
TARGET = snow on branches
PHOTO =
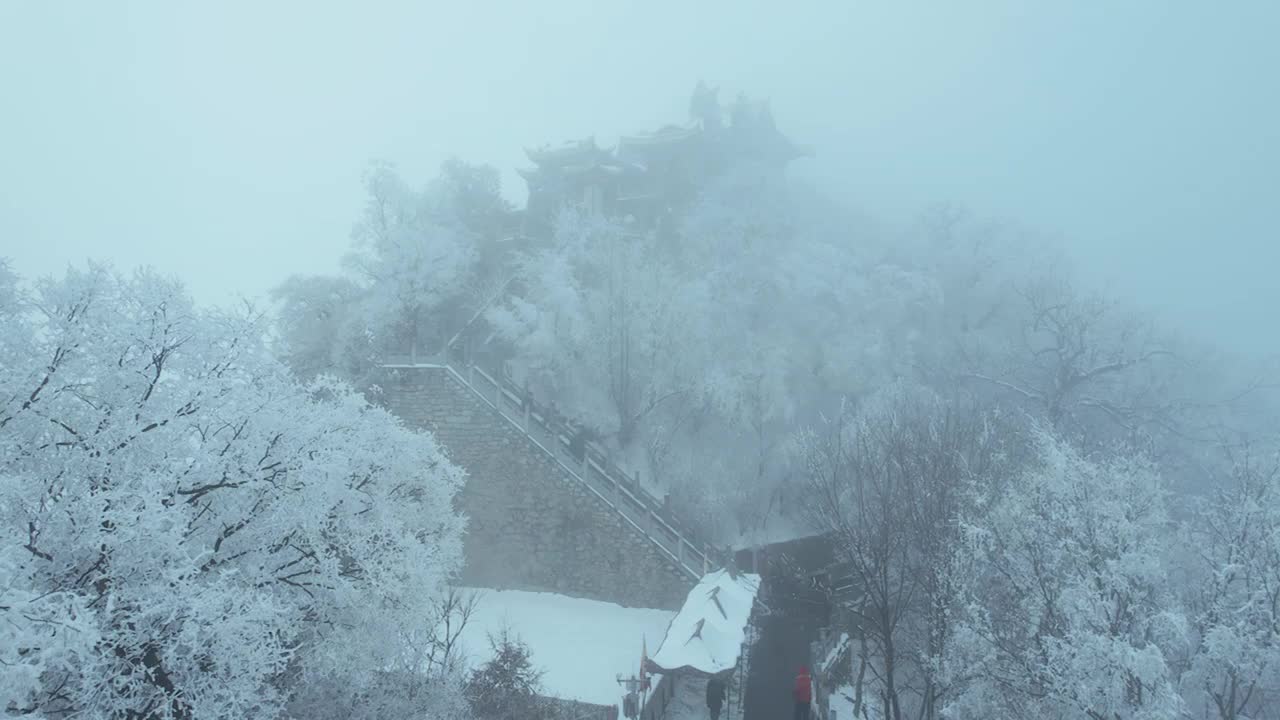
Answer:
(1068, 604)
(1233, 669)
(184, 529)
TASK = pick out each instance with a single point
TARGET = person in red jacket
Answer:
(803, 693)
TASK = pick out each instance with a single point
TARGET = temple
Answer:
(646, 178)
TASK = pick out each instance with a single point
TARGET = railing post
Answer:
(471, 374)
(527, 429)
(585, 466)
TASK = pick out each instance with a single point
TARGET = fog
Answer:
(669, 361)
(224, 142)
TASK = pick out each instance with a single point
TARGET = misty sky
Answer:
(224, 142)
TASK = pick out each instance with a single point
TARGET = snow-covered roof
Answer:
(566, 153)
(708, 632)
(665, 135)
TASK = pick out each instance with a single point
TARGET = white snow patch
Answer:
(835, 653)
(580, 645)
(708, 632)
(840, 702)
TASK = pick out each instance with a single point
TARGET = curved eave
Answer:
(669, 136)
(575, 152)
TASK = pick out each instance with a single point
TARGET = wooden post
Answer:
(471, 374)
(527, 429)
(585, 459)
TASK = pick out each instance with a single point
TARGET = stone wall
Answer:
(532, 526)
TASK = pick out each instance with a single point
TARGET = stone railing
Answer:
(583, 460)
(830, 662)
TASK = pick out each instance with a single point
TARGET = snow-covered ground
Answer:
(841, 704)
(580, 645)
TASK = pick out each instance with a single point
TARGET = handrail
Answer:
(571, 472)
(645, 509)
(604, 465)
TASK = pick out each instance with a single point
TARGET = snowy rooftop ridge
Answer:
(707, 634)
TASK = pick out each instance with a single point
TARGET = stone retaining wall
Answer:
(532, 526)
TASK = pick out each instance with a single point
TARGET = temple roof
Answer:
(601, 166)
(576, 152)
(669, 135)
(704, 147)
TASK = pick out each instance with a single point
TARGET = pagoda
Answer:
(646, 178)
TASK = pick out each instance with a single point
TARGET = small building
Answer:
(710, 637)
(649, 177)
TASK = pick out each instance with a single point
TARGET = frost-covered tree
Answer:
(469, 197)
(423, 678)
(699, 350)
(1017, 326)
(187, 532)
(507, 686)
(420, 265)
(889, 483)
(1233, 670)
(323, 329)
(413, 260)
(1069, 612)
(598, 324)
(1092, 368)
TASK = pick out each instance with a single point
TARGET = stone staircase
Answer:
(583, 462)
